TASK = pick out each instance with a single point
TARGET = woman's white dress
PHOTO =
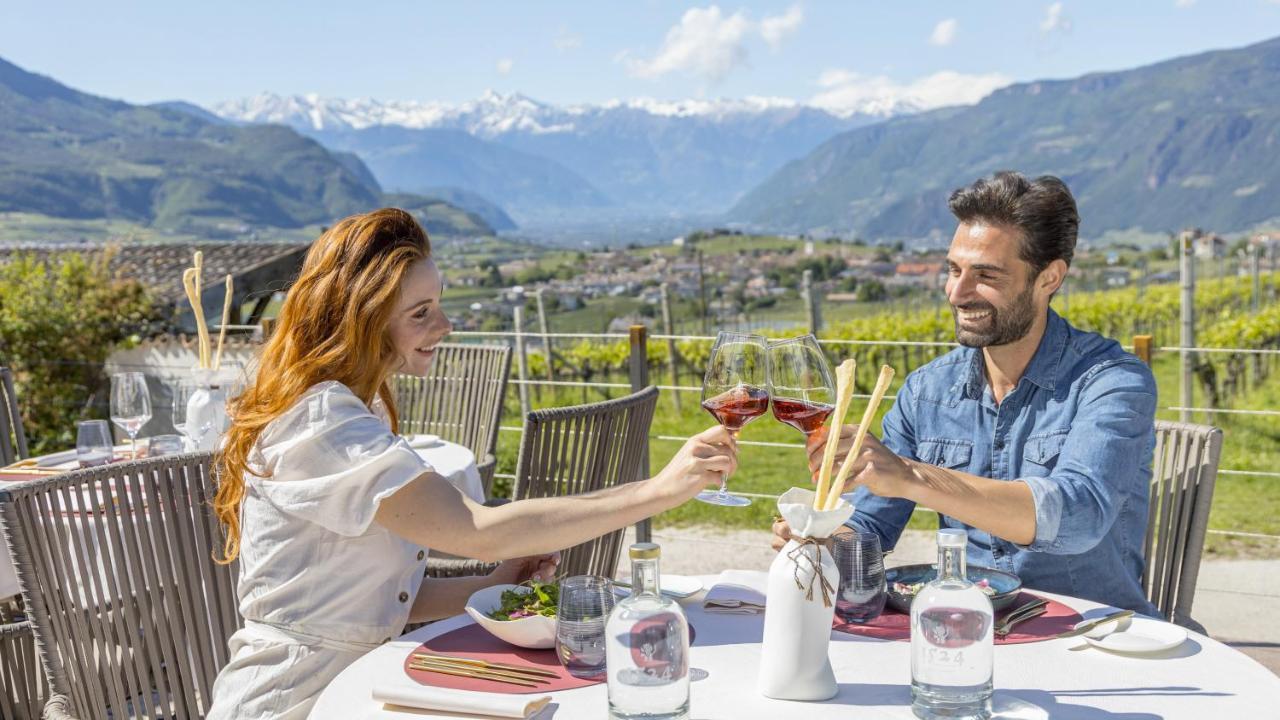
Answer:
(320, 582)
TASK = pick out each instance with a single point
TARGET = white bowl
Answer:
(535, 632)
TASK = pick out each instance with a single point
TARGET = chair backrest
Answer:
(460, 399)
(13, 441)
(577, 449)
(1182, 479)
(130, 611)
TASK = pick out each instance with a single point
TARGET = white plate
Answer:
(675, 586)
(56, 459)
(424, 442)
(1136, 635)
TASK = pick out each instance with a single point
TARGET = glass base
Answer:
(719, 497)
(938, 702)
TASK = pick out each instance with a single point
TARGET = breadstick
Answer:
(844, 396)
(193, 297)
(202, 328)
(222, 331)
(882, 385)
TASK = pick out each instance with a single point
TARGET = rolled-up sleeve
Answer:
(1109, 443)
(887, 517)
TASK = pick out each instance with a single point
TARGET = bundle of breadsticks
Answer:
(193, 284)
(827, 495)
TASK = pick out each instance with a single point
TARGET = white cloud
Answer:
(845, 92)
(944, 32)
(775, 29)
(566, 40)
(505, 65)
(1183, 3)
(710, 43)
(1054, 20)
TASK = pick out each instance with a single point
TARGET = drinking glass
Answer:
(130, 404)
(180, 391)
(165, 445)
(93, 443)
(585, 604)
(861, 595)
(735, 392)
(800, 386)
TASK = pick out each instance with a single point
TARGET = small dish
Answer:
(1006, 585)
(1136, 635)
(536, 632)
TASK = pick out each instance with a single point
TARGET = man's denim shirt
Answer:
(1078, 429)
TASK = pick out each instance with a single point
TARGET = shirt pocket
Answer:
(1040, 454)
(945, 453)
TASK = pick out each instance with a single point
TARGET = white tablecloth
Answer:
(1200, 679)
(455, 462)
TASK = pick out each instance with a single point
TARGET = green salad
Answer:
(526, 600)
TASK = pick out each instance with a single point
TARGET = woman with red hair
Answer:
(331, 513)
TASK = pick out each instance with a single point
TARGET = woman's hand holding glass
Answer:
(702, 462)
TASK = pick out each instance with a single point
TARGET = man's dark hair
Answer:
(1042, 209)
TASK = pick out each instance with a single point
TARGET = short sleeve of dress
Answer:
(332, 461)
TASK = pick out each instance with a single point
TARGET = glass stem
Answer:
(724, 479)
(133, 440)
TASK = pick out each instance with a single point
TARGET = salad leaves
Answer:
(528, 599)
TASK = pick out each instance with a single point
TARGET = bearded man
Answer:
(1034, 437)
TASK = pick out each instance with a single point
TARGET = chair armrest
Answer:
(58, 707)
(487, 466)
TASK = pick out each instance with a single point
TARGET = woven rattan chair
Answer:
(131, 613)
(22, 681)
(573, 450)
(13, 441)
(23, 686)
(1182, 479)
(460, 400)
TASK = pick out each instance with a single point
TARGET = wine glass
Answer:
(735, 392)
(800, 385)
(130, 404)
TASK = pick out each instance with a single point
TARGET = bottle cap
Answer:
(645, 551)
(953, 538)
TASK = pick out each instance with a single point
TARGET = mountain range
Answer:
(1189, 141)
(69, 154)
(541, 162)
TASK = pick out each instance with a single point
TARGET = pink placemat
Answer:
(893, 625)
(473, 641)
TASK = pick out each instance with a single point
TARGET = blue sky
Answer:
(573, 52)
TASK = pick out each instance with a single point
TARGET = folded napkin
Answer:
(424, 442)
(737, 592)
(425, 697)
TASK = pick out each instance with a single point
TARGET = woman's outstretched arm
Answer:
(431, 512)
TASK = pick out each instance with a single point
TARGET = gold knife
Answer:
(1089, 626)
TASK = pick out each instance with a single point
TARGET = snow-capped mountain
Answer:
(495, 114)
(538, 161)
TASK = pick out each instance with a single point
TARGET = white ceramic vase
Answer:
(800, 604)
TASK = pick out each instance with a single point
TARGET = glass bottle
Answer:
(952, 645)
(647, 648)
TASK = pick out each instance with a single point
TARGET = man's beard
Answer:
(1001, 327)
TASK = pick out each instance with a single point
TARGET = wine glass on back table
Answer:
(735, 392)
(800, 384)
(130, 404)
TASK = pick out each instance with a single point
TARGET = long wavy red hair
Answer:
(332, 326)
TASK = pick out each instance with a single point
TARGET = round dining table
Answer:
(1059, 678)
